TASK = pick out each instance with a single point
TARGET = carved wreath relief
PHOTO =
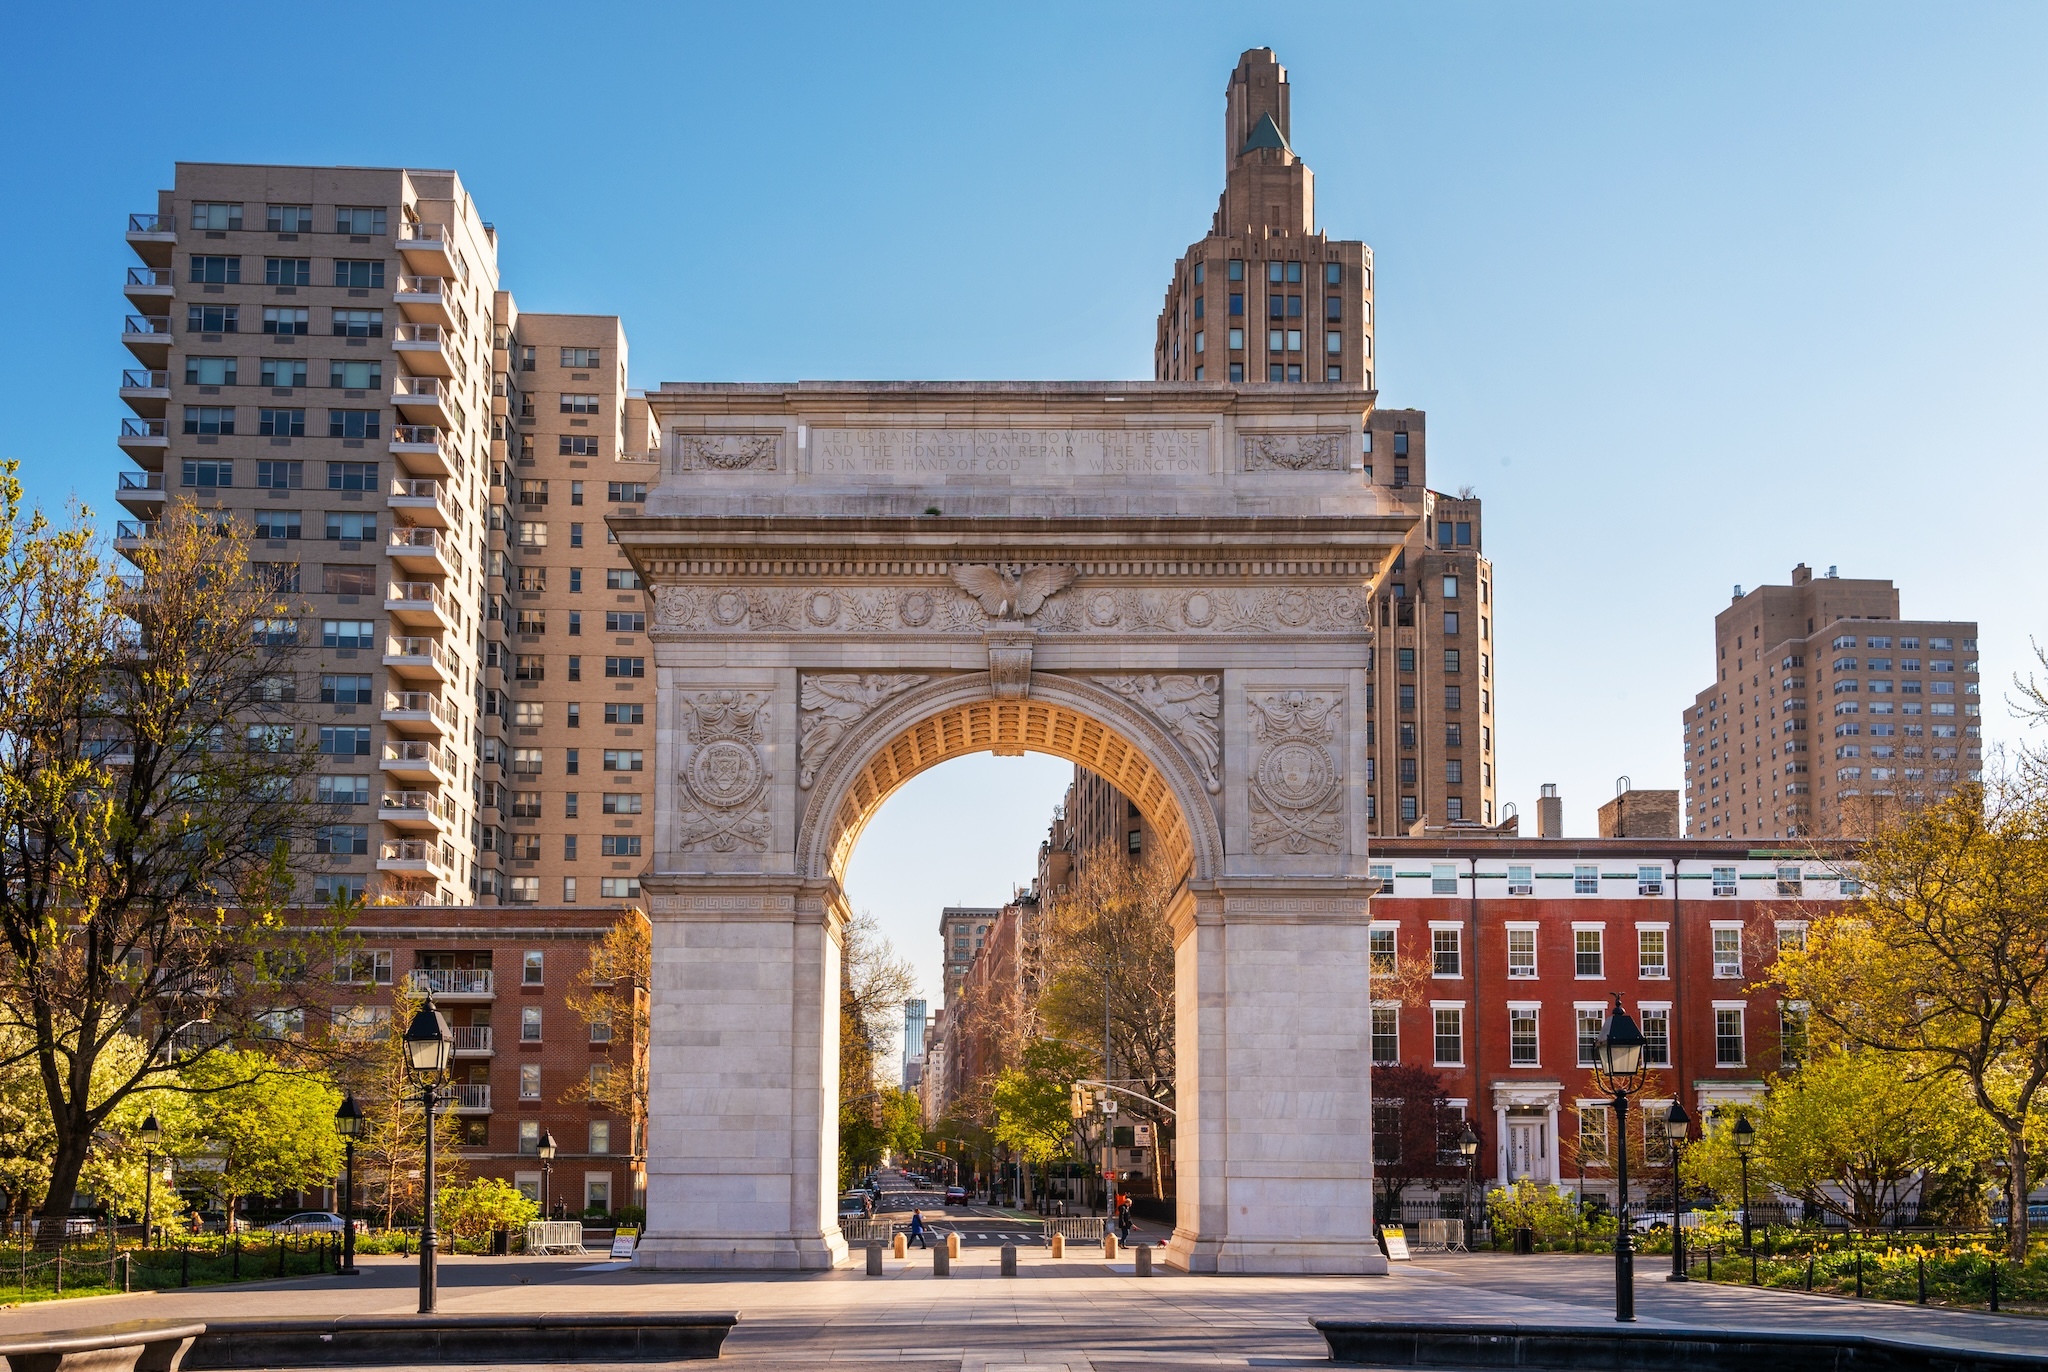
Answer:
(830, 704)
(1296, 783)
(1191, 706)
(1294, 452)
(726, 452)
(723, 789)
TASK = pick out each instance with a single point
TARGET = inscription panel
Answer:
(1007, 455)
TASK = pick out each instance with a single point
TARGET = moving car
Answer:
(855, 1205)
(312, 1222)
(956, 1195)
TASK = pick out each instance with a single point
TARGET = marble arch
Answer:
(1168, 583)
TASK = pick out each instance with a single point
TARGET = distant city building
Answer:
(913, 1042)
(1829, 712)
(961, 932)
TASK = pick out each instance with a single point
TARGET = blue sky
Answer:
(1691, 293)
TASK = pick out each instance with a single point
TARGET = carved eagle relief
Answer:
(1012, 593)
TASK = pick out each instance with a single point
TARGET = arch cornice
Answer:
(847, 792)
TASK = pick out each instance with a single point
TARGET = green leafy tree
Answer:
(489, 1203)
(883, 1124)
(391, 1154)
(1031, 1102)
(271, 1128)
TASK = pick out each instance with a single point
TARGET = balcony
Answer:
(428, 551)
(145, 440)
(421, 400)
(426, 501)
(425, 248)
(472, 1040)
(452, 983)
(414, 856)
(421, 348)
(421, 604)
(153, 236)
(424, 450)
(423, 300)
(471, 1098)
(141, 492)
(147, 393)
(423, 810)
(419, 712)
(149, 288)
(416, 761)
(148, 336)
(422, 659)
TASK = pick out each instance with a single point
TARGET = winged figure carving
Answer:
(1012, 593)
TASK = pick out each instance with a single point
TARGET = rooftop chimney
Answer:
(1549, 812)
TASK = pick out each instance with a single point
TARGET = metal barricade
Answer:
(555, 1236)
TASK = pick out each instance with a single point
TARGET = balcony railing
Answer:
(451, 981)
(472, 1038)
(419, 703)
(426, 802)
(142, 428)
(417, 433)
(148, 324)
(415, 751)
(470, 1095)
(422, 593)
(142, 481)
(417, 333)
(135, 529)
(424, 540)
(426, 488)
(151, 276)
(410, 850)
(133, 380)
(427, 648)
(420, 285)
(422, 233)
(418, 388)
(152, 223)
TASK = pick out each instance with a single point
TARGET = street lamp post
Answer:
(1676, 1121)
(428, 1045)
(547, 1166)
(1745, 1144)
(1620, 1072)
(152, 1134)
(1468, 1148)
(348, 1122)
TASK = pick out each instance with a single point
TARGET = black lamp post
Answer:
(348, 1122)
(1620, 1072)
(547, 1165)
(428, 1046)
(1676, 1122)
(1468, 1148)
(151, 1135)
(1745, 1144)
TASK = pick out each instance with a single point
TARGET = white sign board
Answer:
(622, 1243)
(1143, 1138)
(1397, 1244)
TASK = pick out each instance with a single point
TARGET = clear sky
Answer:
(1691, 293)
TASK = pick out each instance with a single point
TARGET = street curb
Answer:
(387, 1340)
(1400, 1343)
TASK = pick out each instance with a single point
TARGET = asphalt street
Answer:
(979, 1226)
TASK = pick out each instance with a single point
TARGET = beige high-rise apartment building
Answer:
(327, 354)
(1829, 712)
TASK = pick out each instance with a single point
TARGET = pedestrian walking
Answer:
(917, 1228)
(1123, 1219)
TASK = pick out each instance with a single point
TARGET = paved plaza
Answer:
(1079, 1311)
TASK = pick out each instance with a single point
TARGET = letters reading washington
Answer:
(1008, 454)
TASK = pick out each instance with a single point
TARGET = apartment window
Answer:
(1656, 1037)
(278, 524)
(1728, 1038)
(365, 968)
(280, 424)
(1408, 809)
(531, 533)
(1449, 1036)
(1792, 937)
(529, 1015)
(1522, 1038)
(348, 633)
(619, 888)
(338, 886)
(1236, 368)
(351, 476)
(287, 271)
(625, 714)
(1454, 697)
(1593, 1121)
(358, 323)
(529, 714)
(289, 219)
(1454, 735)
(529, 1089)
(578, 445)
(1649, 881)
(343, 791)
(626, 492)
(355, 376)
(351, 689)
(619, 845)
(355, 423)
(1386, 1034)
(1585, 879)
(1651, 960)
(577, 403)
(526, 762)
(1587, 960)
(1380, 944)
(625, 622)
(1724, 881)
(358, 273)
(212, 319)
(1521, 880)
(625, 667)
(344, 741)
(215, 271)
(1590, 1023)
(282, 372)
(1444, 954)
(532, 968)
(526, 805)
(622, 579)
(1443, 879)
(359, 219)
(342, 840)
(1521, 952)
(209, 419)
(622, 759)
(621, 804)
(1728, 950)
(210, 371)
(1790, 882)
(1793, 1037)
(354, 528)
(287, 321)
(532, 621)
(208, 475)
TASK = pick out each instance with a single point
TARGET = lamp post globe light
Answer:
(1745, 1144)
(151, 1135)
(428, 1045)
(547, 1165)
(1468, 1148)
(348, 1122)
(1619, 1072)
(1676, 1122)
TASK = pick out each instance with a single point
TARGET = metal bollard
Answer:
(953, 1244)
(1009, 1260)
(1059, 1245)
(874, 1259)
(1109, 1246)
(1143, 1253)
(899, 1246)
(942, 1261)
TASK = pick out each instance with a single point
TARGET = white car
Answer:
(1661, 1219)
(313, 1222)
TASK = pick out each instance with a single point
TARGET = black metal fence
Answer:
(99, 1263)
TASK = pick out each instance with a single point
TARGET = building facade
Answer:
(914, 1017)
(1829, 713)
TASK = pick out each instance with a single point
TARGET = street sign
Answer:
(1108, 1106)
(1144, 1136)
(622, 1242)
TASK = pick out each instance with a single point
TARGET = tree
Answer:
(1412, 1132)
(270, 1127)
(1942, 964)
(874, 981)
(884, 1124)
(1847, 1136)
(614, 989)
(484, 1205)
(150, 795)
(1109, 970)
(1032, 1101)
(391, 1153)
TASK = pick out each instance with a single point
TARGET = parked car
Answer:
(956, 1195)
(855, 1205)
(75, 1226)
(313, 1222)
(1651, 1220)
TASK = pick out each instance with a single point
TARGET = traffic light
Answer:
(1077, 1100)
(942, 1146)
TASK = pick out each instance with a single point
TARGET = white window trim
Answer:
(1653, 1005)
(1582, 924)
(1447, 924)
(1525, 1005)
(1447, 1005)
(1653, 925)
(1735, 924)
(1794, 924)
(1386, 1005)
(1383, 924)
(1523, 925)
(1729, 1005)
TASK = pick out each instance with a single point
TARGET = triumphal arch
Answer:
(1170, 584)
